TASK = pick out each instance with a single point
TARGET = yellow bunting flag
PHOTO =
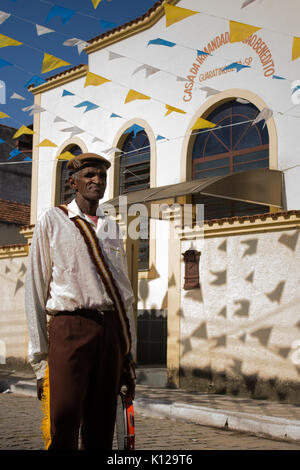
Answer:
(46, 143)
(65, 156)
(3, 115)
(6, 41)
(175, 14)
(171, 109)
(94, 79)
(296, 48)
(241, 31)
(50, 62)
(202, 124)
(96, 3)
(23, 130)
(135, 95)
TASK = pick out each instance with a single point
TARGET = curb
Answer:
(24, 387)
(265, 426)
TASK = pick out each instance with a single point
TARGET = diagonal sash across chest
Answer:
(105, 274)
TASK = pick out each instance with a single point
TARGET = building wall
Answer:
(10, 235)
(13, 327)
(239, 331)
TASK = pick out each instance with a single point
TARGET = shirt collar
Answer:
(75, 211)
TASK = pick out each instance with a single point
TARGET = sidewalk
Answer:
(259, 417)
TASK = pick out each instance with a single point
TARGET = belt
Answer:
(96, 315)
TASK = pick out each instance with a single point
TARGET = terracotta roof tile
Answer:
(244, 218)
(128, 24)
(14, 212)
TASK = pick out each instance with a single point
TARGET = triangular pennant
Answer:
(34, 109)
(265, 114)
(135, 128)
(114, 55)
(171, 109)
(3, 115)
(3, 16)
(209, 91)
(203, 124)
(95, 3)
(241, 31)
(107, 24)
(14, 153)
(64, 13)
(50, 62)
(4, 62)
(96, 139)
(46, 143)
(76, 42)
(161, 42)
(35, 81)
(16, 96)
(277, 77)
(27, 159)
(40, 30)
(5, 41)
(94, 79)
(160, 137)
(236, 65)
(202, 52)
(112, 150)
(149, 70)
(296, 48)
(58, 119)
(246, 3)
(175, 14)
(65, 156)
(67, 93)
(113, 115)
(21, 131)
(135, 95)
(88, 104)
(74, 130)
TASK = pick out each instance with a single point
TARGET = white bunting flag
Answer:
(149, 70)
(111, 150)
(74, 130)
(114, 55)
(3, 16)
(209, 91)
(265, 114)
(81, 45)
(58, 119)
(16, 96)
(34, 109)
(40, 30)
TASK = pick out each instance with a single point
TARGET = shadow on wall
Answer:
(233, 380)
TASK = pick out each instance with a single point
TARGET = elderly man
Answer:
(77, 275)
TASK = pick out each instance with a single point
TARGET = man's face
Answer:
(90, 182)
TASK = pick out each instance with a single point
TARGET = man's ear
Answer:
(72, 182)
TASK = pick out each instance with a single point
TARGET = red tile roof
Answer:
(129, 23)
(252, 218)
(14, 212)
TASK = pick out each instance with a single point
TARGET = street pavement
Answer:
(20, 418)
(165, 419)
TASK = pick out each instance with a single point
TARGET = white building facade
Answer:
(237, 330)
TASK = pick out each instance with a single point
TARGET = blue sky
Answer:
(27, 58)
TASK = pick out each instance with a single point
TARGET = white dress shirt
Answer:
(61, 275)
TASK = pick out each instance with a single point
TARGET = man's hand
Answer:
(128, 378)
(39, 388)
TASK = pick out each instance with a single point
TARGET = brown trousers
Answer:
(85, 362)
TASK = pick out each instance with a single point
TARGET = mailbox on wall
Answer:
(191, 269)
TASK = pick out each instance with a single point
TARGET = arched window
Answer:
(238, 145)
(134, 174)
(66, 194)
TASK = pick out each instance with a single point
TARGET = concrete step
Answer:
(152, 376)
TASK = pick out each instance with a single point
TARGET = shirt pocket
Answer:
(116, 257)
